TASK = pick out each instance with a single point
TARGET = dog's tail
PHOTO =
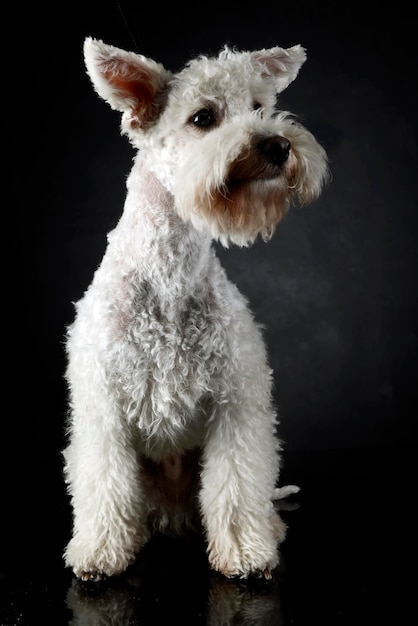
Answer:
(283, 492)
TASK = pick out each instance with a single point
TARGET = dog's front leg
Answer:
(103, 480)
(239, 472)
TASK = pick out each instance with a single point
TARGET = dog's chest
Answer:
(173, 359)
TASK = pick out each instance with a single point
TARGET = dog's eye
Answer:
(203, 118)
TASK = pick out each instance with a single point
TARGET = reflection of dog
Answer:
(170, 391)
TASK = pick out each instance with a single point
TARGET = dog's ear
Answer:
(129, 82)
(283, 64)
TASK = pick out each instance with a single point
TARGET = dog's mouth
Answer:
(264, 160)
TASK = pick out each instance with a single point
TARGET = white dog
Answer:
(171, 422)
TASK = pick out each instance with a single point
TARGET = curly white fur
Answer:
(171, 422)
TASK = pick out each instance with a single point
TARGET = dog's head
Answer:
(213, 136)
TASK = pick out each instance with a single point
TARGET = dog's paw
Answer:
(95, 564)
(235, 554)
(237, 564)
(92, 575)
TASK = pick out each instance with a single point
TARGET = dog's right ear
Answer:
(129, 82)
(283, 64)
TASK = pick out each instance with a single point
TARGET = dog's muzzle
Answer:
(275, 150)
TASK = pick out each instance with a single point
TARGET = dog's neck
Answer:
(154, 242)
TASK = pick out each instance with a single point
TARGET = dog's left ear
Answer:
(283, 64)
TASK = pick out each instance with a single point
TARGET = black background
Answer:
(336, 288)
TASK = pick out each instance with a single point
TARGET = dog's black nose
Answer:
(275, 149)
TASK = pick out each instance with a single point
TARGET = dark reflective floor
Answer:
(346, 559)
